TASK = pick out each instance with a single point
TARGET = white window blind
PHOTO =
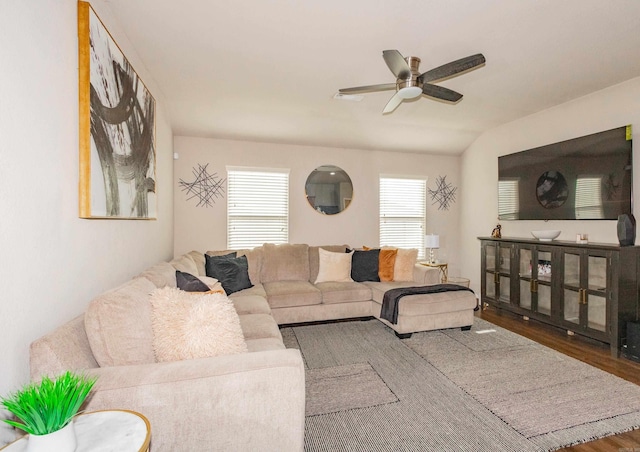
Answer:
(588, 198)
(403, 213)
(508, 194)
(257, 207)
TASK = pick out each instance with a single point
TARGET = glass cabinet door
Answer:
(597, 293)
(497, 271)
(525, 258)
(543, 271)
(504, 273)
(572, 288)
(491, 257)
(585, 291)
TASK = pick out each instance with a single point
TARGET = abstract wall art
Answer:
(444, 194)
(117, 129)
(205, 188)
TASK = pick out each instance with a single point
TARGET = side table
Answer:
(104, 431)
(444, 269)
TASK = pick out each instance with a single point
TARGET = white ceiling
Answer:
(268, 70)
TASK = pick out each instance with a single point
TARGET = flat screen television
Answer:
(586, 178)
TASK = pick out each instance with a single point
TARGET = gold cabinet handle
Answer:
(583, 296)
(534, 285)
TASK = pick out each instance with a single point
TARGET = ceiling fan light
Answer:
(410, 92)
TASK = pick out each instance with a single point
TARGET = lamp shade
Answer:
(431, 241)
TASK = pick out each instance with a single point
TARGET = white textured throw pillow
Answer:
(334, 266)
(189, 325)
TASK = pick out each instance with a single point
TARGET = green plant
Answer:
(49, 405)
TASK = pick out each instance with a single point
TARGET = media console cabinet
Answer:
(588, 289)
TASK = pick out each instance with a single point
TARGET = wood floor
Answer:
(591, 352)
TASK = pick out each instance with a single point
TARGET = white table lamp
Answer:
(431, 242)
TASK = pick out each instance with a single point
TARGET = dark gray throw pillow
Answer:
(190, 283)
(364, 265)
(233, 273)
(211, 260)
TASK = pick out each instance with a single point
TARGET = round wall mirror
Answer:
(329, 189)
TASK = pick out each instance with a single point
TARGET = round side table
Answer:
(104, 431)
(444, 269)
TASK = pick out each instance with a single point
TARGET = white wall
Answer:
(53, 263)
(201, 228)
(607, 109)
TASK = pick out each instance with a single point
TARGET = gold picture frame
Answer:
(117, 129)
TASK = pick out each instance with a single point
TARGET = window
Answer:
(257, 207)
(588, 198)
(403, 212)
(508, 206)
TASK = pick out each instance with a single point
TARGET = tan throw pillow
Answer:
(334, 266)
(191, 326)
(405, 261)
(387, 261)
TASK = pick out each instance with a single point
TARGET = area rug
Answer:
(486, 389)
(342, 388)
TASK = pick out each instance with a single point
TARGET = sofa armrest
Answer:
(425, 276)
(249, 401)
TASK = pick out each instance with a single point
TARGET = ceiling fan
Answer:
(410, 83)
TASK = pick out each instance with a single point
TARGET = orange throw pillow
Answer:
(386, 261)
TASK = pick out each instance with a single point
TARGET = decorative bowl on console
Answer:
(547, 235)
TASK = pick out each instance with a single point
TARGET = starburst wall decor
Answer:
(444, 194)
(205, 187)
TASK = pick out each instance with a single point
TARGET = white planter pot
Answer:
(63, 440)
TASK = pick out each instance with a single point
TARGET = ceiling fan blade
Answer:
(393, 103)
(454, 68)
(440, 92)
(396, 63)
(367, 89)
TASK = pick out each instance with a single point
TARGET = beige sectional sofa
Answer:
(246, 401)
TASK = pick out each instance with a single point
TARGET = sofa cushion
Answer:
(334, 266)
(264, 344)
(191, 326)
(162, 274)
(185, 264)
(314, 258)
(254, 259)
(281, 294)
(232, 272)
(285, 262)
(405, 261)
(386, 263)
(364, 265)
(251, 304)
(190, 283)
(198, 258)
(258, 326)
(343, 292)
(66, 347)
(118, 325)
